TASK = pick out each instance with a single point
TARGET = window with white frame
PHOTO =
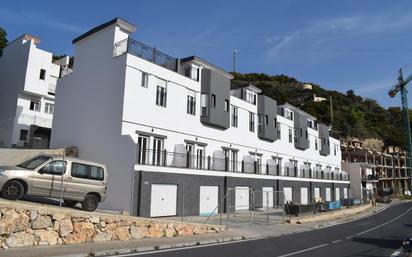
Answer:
(191, 102)
(204, 100)
(234, 118)
(35, 105)
(161, 93)
(251, 122)
(145, 80)
(290, 135)
(49, 108)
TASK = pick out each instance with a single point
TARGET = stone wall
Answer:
(23, 227)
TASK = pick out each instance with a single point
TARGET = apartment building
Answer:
(28, 80)
(387, 170)
(176, 135)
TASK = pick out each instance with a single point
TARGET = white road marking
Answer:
(337, 241)
(304, 250)
(384, 224)
(397, 252)
(350, 237)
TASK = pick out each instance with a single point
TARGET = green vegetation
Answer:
(353, 116)
(3, 40)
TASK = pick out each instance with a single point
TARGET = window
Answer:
(234, 116)
(145, 80)
(251, 122)
(316, 144)
(227, 105)
(275, 123)
(266, 120)
(290, 135)
(278, 132)
(42, 74)
(87, 171)
(249, 96)
(54, 168)
(161, 96)
(296, 136)
(191, 105)
(23, 134)
(334, 149)
(35, 105)
(158, 144)
(260, 117)
(204, 99)
(49, 108)
(142, 149)
(213, 100)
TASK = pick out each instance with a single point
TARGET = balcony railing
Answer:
(202, 162)
(145, 52)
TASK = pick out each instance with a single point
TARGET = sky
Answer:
(339, 45)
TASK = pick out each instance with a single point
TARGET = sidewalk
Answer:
(250, 231)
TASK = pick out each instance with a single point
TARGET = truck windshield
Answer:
(34, 163)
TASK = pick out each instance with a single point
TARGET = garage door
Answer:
(163, 200)
(287, 191)
(242, 198)
(337, 194)
(209, 200)
(317, 192)
(345, 193)
(328, 194)
(267, 198)
(304, 197)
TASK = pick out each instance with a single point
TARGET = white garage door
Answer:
(267, 197)
(337, 194)
(242, 198)
(209, 200)
(163, 200)
(317, 192)
(304, 197)
(345, 193)
(328, 194)
(287, 191)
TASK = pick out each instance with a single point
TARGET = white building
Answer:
(363, 182)
(174, 131)
(27, 84)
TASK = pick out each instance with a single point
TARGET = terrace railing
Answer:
(145, 52)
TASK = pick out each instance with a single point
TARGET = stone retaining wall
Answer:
(22, 227)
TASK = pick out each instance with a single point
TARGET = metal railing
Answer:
(145, 52)
(203, 162)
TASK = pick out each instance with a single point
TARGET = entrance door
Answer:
(163, 200)
(200, 157)
(337, 194)
(209, 200)
(242, 198)
(267, 197)
(328, 194)
(317, 192)
(287, 191)
(304, 198)
(190, 148)
(345, 193)
(142, 149)
(157, 151)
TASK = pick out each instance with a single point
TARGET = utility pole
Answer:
(234, 60)
(331, 111)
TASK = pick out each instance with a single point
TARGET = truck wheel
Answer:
(12, 190)
(90, 203)
(70, 203)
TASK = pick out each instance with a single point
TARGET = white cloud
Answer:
(34, 17)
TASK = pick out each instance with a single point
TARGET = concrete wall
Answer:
(301, 130)
(325, 139)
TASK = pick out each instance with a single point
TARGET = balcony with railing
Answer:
(187, 160)
(146, 52)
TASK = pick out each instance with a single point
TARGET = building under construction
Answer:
(389, 171)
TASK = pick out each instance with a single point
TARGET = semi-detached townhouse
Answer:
(173, 130)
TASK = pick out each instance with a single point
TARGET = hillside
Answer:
(353, 116)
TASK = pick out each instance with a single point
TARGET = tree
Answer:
(3, 40)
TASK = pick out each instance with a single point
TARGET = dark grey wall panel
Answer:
(267, 107)
(301, 127)
(214, 83)
(324, 136)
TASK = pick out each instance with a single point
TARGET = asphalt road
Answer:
(377, 235)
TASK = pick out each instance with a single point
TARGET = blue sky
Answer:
(340, 45)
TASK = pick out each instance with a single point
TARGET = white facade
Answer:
(108, 106)
(27, 84)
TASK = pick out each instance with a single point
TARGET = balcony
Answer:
(370, 178)
(146, 52)
(164, 158)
